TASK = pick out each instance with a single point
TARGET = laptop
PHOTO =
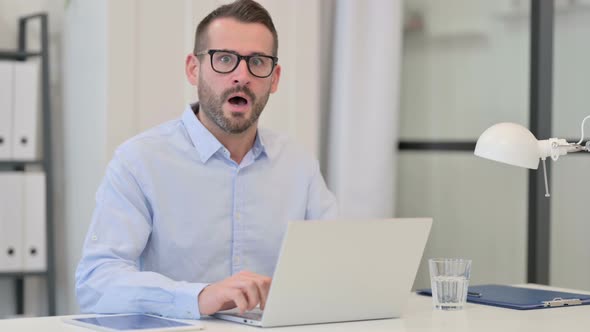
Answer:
(337, 271)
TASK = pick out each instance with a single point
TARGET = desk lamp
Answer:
(515, 145)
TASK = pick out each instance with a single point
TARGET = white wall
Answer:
(85, 76)
(363, 122)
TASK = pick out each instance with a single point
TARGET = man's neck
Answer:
(238, 145)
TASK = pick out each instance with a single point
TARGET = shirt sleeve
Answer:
(108, 276)
(321, 202)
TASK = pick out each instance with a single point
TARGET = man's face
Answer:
(234, 101)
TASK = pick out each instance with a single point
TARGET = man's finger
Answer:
(262, 284)
(264, 287)
(250, 288)
(239, 299)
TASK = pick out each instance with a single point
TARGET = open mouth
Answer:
(238, 101)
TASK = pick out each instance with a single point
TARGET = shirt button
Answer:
(94, 237)
(237, 260)
(238, 216)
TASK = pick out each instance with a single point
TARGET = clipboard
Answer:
(520, 298)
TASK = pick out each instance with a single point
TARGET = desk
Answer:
(419, 316)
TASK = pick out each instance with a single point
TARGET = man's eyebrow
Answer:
(260, 53)
(251, 54)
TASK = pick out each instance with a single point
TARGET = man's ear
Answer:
(275, 77)
(191, 68)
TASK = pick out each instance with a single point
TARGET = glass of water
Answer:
(449, 279)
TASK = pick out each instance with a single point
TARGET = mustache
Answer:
(243, 89)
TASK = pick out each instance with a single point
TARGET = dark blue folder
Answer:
(519, 297)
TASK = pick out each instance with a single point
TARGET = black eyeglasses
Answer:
(225, 62)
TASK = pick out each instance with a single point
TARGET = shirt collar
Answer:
(259, 148)
(204, 141)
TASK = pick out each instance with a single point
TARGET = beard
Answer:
(235, 123)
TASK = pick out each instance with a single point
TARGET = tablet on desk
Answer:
(133, 323)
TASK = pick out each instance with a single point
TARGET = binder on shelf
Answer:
(11, 230)
(6, 100)
(26, 112)
(520, 298)
(23, 84)
(34, 223)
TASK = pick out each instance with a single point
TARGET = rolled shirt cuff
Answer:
(186, 300)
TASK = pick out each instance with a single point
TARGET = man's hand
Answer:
(244, 290)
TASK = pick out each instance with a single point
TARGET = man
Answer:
(190, 215)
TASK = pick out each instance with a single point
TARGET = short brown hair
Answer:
(245, 11)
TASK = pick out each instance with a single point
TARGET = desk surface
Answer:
(419, 316)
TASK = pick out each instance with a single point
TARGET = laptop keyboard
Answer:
(255, 314)
(252, 315)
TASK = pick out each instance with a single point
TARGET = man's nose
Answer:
(241, 73)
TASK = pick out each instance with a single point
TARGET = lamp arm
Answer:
(574, 147)
(556, 147)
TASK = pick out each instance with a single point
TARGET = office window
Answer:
(465, 66)
(570, 182)
(478, 212)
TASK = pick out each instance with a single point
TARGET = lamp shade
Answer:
(509, 143)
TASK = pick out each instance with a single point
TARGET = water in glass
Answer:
(449, 292)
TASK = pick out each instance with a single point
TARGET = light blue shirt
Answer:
(174, 213)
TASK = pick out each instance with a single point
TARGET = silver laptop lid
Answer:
(333, 271)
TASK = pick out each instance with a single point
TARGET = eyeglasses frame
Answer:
(246, 58)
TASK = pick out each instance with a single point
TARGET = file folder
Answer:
(520, 298)
(25, 130)
(34, 226)
(11, 234)
(6, 100)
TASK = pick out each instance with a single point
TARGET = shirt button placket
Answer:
(237, 226)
